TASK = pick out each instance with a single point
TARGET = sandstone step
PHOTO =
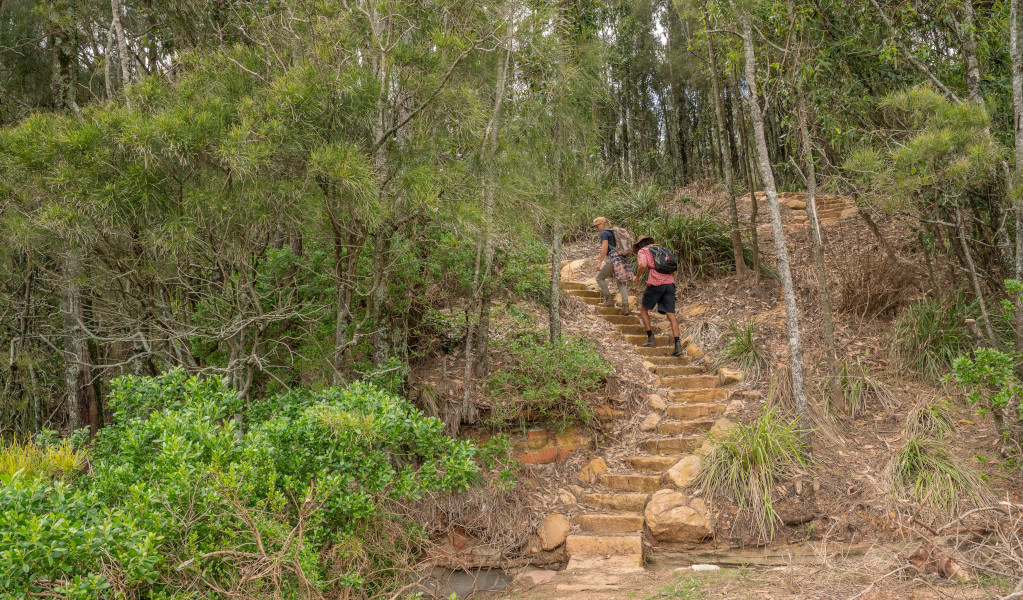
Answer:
(698, 396)
(688, 412)
(680, 371)
(658, 351)
(651, 464)
(631, 483)
(604, 544)
(611, 311)
(618, 319)
(691, 382)
(684, 427)
(584, 293)
(610, 523)
(672, 446)
(637, 330)
(609, 568)
(662, 340)
(625, 501)
(589, 300)
(668, 361)
(573, 285)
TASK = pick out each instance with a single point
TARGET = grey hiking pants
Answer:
(608, 272)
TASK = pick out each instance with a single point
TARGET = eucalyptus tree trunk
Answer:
(554, 313)
(480, 301)
(726, 155)
(1016, 55)
(974, 278)
(489, 149)
(122, 44)
(966, 31)
(834, 385)
(784, 273)
(746, 157)
(80, 402)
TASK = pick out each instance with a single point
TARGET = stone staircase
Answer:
(613, 504)
(830, 208)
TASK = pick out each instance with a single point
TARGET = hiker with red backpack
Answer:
(615, 244)
(661, 264)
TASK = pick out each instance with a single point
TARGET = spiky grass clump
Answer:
(746, 461)
(743, 350)
(928, 474)
(932, 419)
(859, 389)
(931, 334)
(37, 461)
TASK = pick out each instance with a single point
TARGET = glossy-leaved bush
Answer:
(182, 497)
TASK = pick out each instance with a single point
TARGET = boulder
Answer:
(649, 365)
(675, 517)
(566, 497)
(656, 402)
(684, 471)
(650, 422)
(729, 376)
(592, 471)
(553, 531)
(694, 351)
(533, 577)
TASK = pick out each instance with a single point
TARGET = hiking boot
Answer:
(678, 348)
(625, 311)
(609, 302)
(651, 343)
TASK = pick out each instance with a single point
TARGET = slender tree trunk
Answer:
(974, 278)
(381, 250)
(750, 182)
(79, 399)
(554, 314)
(966, 31)
(489, 154)
(834, 386)
(122, 44)
(726, 156)
(784, 273)
(1016, 55)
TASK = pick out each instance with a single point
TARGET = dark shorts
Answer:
(661, 296)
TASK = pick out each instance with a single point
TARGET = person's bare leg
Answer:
(676, 333)
(644, 315)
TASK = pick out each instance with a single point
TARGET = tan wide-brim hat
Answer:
(599, 221)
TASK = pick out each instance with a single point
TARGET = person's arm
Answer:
(603, 255)
(642, 267)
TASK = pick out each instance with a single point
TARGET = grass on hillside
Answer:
(37, 461)
(746, 461)
(743, 350)
(927, 473)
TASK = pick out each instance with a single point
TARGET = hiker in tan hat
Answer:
(615, 245)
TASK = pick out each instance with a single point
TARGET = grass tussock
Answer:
(743, 350)
(933, 419)
(931, 334)
(927, 474)
(861, 390)
(36, 461)
(872, 285)
(746, 461)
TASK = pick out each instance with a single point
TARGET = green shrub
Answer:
(926, 472)
(990, 380)
(544, 378)
(702, 242)
(931, 334)
(58, 540)
(307, 491)
(743, 350)
(746, 462)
